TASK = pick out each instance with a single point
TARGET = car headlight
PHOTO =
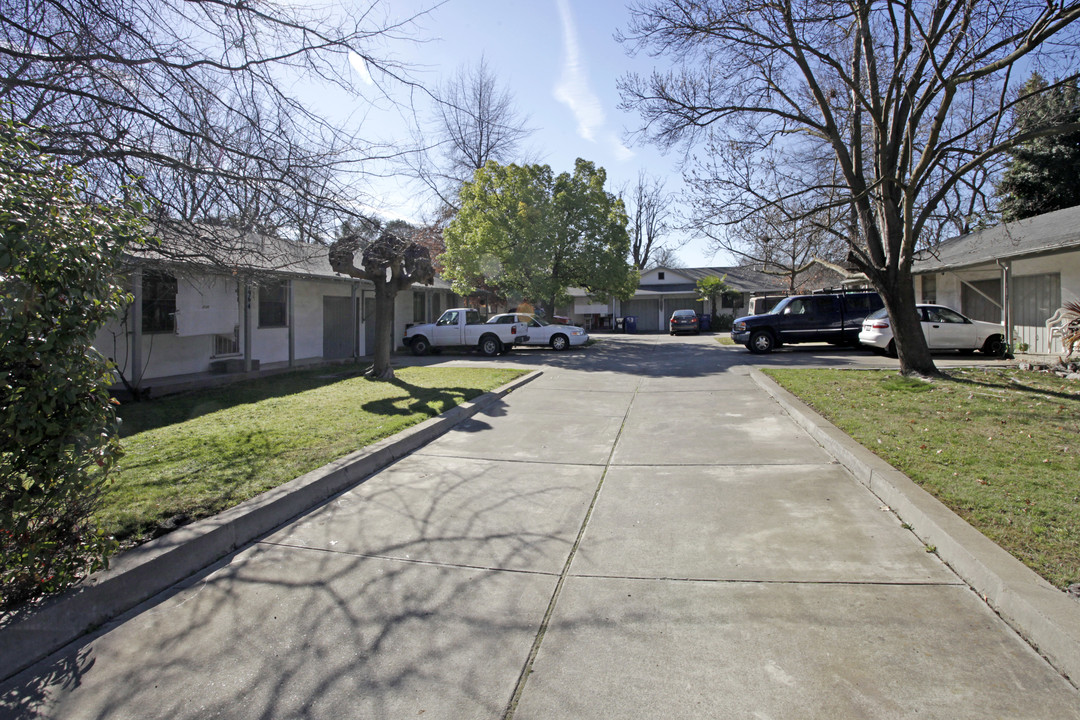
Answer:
(577, 332)
(739, 327)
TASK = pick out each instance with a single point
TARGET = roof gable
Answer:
(671, 275)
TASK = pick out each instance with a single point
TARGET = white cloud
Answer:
(359, 64)
(622, 153)
(573, 87)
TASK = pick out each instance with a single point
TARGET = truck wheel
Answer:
(490, 346)
(559, 342)
(761, 342)
(420, 345)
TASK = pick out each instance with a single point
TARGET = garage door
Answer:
(647, 311)
(673, 304)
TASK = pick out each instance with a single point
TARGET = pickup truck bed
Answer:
(464, 328)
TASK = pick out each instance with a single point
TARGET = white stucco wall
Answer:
(1066, 265)
(168, 354)
(671, 277)
(165, 353)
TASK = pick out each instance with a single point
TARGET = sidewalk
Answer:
(648, 536)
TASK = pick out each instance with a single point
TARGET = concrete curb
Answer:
(140, 573)
(1043, 615)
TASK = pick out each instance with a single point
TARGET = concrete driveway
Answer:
(642, 532)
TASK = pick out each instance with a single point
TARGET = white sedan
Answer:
(944, 328)
(541, 332)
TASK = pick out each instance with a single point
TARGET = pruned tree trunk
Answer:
(384, 332)
(391, 265)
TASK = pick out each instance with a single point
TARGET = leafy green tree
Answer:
(532, 235)
(58, 437)
(713, 288)
(1043, 174)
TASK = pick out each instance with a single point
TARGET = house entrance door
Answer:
(337, 334)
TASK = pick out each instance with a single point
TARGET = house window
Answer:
(273, 305)
(227, 344)
(929, 289)
(158, 302)
(660, 275)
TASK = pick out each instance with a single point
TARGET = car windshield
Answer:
(685, 313)
(779, 307)
(537, 322)
(878, 314)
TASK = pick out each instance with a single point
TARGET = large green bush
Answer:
(58, 437)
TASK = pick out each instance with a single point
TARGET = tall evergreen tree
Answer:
(1043, 174)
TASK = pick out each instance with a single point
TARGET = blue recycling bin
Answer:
(631, 323)
(705, 322)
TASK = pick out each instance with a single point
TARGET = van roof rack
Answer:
(841, 291)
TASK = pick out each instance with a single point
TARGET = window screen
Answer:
(158, 302)
(273, 305)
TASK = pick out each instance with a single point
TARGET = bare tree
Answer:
(392, 263)
(665, 256)
(753, 209)
(475, 121)
(650, 218)
(190, 99)
(908, 99)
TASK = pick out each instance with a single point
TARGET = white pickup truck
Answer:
(463, 327)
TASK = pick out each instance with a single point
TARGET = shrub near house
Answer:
(57, 426)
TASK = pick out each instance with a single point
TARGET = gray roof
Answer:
(1057, 231)
(246, 254)
(740, 278)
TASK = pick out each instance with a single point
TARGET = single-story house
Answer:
(1018, 273)
(280, 305)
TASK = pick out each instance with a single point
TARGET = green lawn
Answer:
(1001, 448)
(193, 455)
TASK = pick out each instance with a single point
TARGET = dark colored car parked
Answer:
(684, 321)
(822, 317)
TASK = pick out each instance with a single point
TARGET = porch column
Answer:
(290, 320)
(246, 294)
(136, 328)
(354, 322)
(1006, 302)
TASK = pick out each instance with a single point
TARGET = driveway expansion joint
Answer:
(410, 561)
(751, 581)
(526, 670)
(449, 456)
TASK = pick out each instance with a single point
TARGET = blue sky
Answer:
(561, 62)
